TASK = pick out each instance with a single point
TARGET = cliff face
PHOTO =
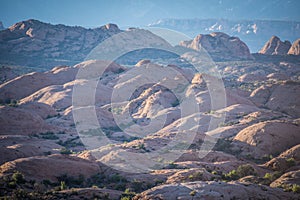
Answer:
(39, 44)
(276, 47)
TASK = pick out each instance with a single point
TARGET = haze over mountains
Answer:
(36, 44)
(253, 32)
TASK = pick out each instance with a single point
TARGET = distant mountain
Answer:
(295, 48)
(37, 44)
(1, 26)
(220, 46)
(276, 47)
(253, 32)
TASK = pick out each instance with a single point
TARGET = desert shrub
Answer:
(127, 194)
(272, 176)
(12, 185)
(196, 176)
(214, 172)
(18, 177)
(49, 136)
(193, 193)
(71, 181)
(291, 188)
(245, 170)
(63, 185)
(115, 178)
(172, 165)
(296, 188)
(267, 157)
(291, 162)
(241, 171)
(9, 102)
(70, 142)
(19, 194)
(223, 145)
(232, 175)
(65, 151)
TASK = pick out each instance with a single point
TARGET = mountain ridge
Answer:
(253, 32)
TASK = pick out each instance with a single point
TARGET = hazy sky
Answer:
(92, 13)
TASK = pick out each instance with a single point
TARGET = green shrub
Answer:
(272, 176)
(18, 177)
(128, 194)
(65, 151)
(193, 193)
(296, 188)
(232, 175)
(49, 136)
(245, 170)
(63, 185)
(291, 162)
(214, 172)
(196, 176)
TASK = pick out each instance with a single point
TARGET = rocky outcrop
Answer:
(38, 44)
(285, 160)
(214, 191)
(267, 138)
(289, 178)
(13, 147)
(281, 97)
(219, 46)
(295, 48)
(37, 168)
(275, 47)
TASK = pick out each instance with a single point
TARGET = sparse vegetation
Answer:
(270, 177)
(9, 102)
(66, 151)
(71, 142)
(48, 136)
(291, 162)
(241, 171)
(196, 176)
(18, 177)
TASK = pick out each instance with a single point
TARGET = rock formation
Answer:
(38, 44)
(295, 48)
(275, 47)
(219, 46)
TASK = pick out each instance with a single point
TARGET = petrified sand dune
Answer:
(213, 190)
(267, 138)
(16, 146)
(50, 167)
(281, 97)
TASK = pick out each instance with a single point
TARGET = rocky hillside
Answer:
(253, 32)
(37, 44)
(163, 113)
